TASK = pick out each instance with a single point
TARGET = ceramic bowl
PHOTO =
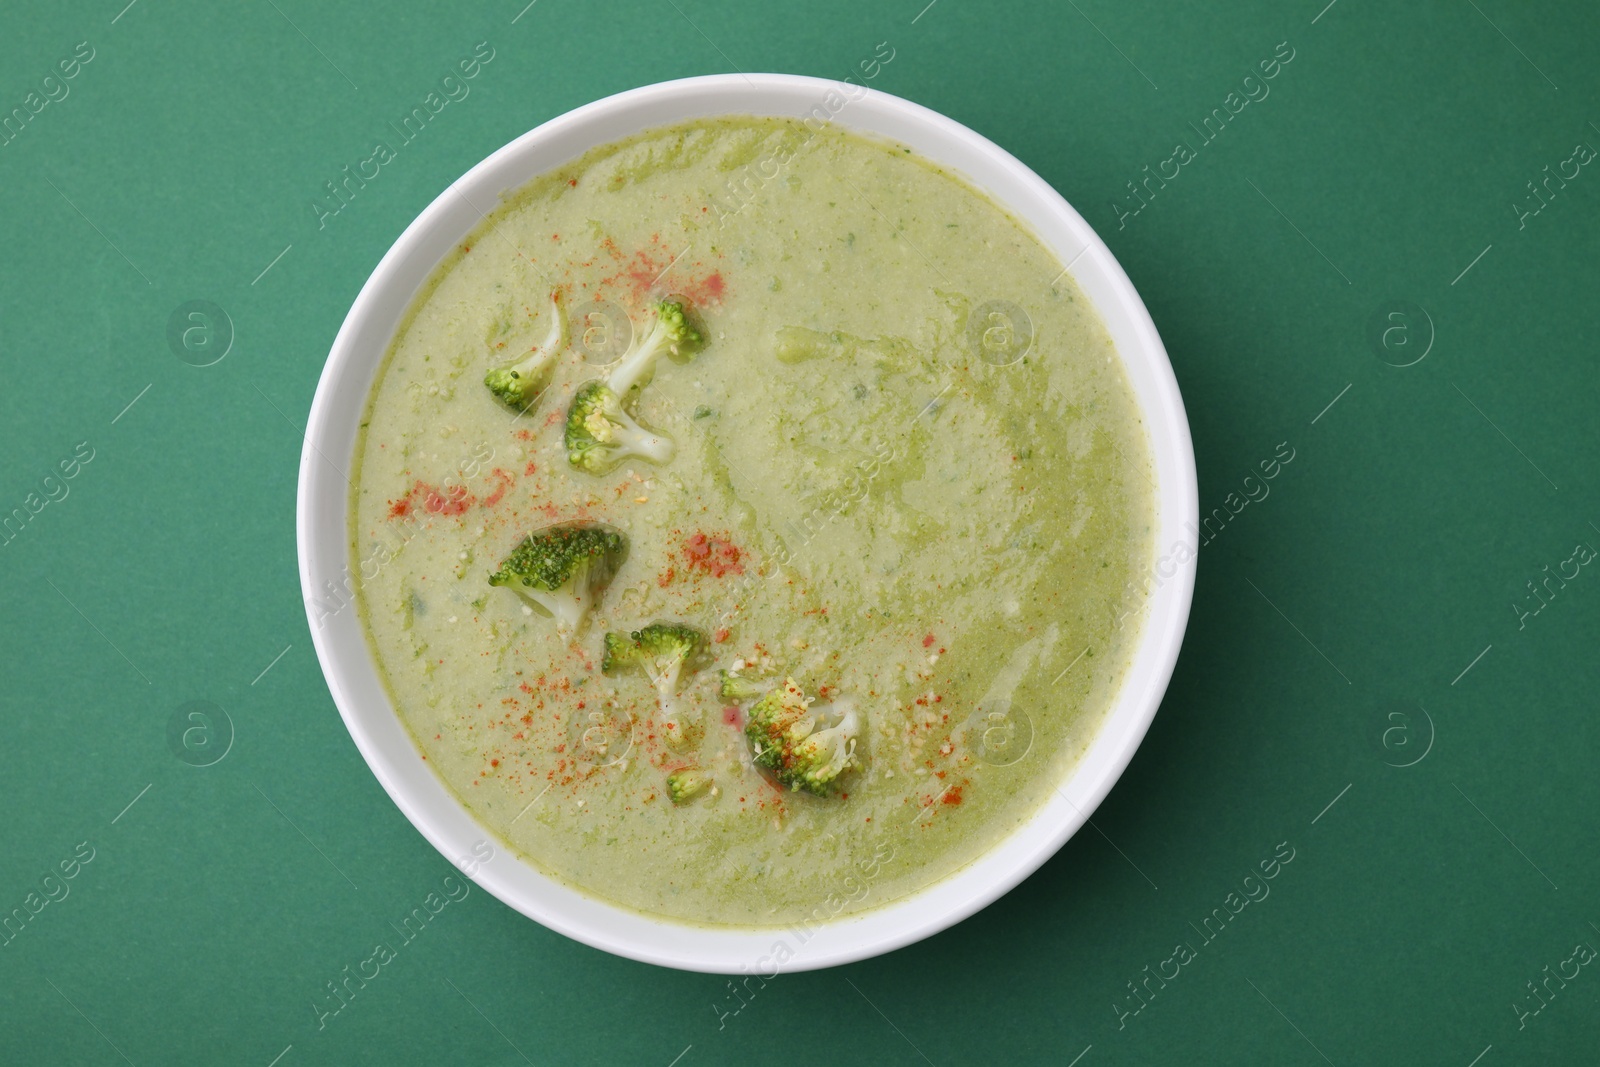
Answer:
(347, 660)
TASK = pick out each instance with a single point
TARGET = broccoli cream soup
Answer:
(752, 522)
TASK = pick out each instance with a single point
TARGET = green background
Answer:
(1389, 154)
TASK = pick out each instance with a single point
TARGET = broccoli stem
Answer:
(668, 331)
(638, 361)
(520, 385)
(567, 605)
(634, 440)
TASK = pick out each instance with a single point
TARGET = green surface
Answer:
(1389, 154)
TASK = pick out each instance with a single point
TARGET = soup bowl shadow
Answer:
(328, 584)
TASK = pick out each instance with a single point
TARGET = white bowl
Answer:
(352, 673)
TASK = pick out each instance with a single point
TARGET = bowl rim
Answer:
(322, 524)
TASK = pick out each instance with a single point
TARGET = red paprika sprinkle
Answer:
(505, 479)
(453, 501)
(713, 555)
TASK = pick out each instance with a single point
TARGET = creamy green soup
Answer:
(907, 472)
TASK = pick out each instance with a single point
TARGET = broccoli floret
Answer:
(671, 333)
(823, 755)
(734, 687)
(683, 786)
(770, 721)
(661, 649)
(562, 569)
(520, 385)
(785, 738)
(600, 434)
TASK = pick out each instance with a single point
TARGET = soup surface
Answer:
(906, 472)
